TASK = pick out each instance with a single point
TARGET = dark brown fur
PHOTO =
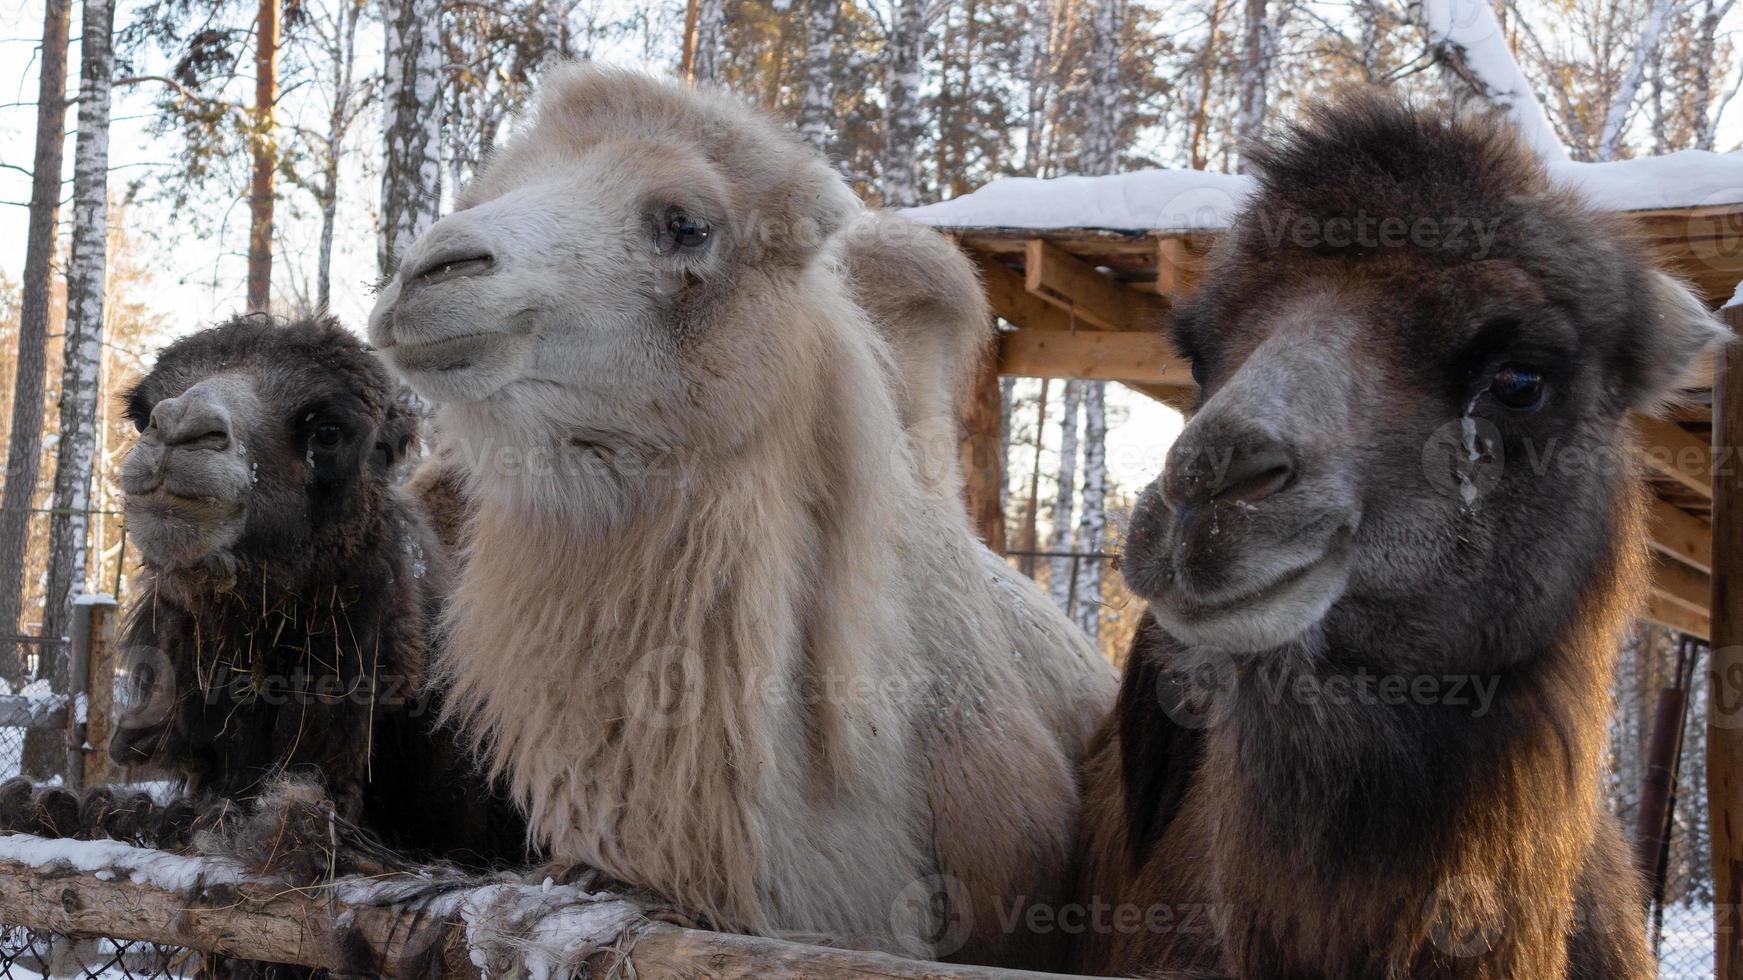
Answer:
(1266, 834)
(301, 648)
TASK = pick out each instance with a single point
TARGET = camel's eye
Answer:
(686, 231)
(1517, 387)
(328, 434)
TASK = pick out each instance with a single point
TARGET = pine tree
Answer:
(24, 449)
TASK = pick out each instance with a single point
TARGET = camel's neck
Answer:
(1347, 779)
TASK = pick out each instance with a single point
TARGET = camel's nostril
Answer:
(1257, 485)
(456, 266)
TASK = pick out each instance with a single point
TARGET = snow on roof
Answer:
(1197, 200)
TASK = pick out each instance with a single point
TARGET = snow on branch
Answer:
(1467, 40)
(400, 925)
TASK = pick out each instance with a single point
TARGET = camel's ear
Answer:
(818, 204)
(398, 432)
(1678, 329)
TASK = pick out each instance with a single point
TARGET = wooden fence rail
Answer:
(89, 889)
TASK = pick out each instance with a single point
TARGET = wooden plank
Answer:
(982, 459)
(1672, 615)
(1676, 533)
(1675, 453)
(1092, 298)
(1725, 673)
(1093, 356)
(1677, 583)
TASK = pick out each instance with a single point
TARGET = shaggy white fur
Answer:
(724, 638)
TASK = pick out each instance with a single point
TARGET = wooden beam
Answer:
(1092, 356)
(1093, 299)
(1177, 269)
(1675, 453)
(1011, 300)
(1725, 694)
(983, 465)
(1676, 533)
(1182, 399)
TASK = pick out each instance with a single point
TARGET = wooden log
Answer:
(1725, 674)
(102, 888)
(1012, 301)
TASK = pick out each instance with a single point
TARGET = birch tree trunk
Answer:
(1101, 152)
(900, 185)
(265, 149)
(710, 21)
(1092, 532)
(411, 173)
(1255, 76)
(1102, 157)
(338, 122)
(76, 449)
(24, 449)
(1622, 103)
(817, 105)
(1059, 538)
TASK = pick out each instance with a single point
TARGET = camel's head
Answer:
(1416, 358)
(608, 287)
(258, 440)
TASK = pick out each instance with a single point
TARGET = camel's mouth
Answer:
(1251, 618)
(174, 530)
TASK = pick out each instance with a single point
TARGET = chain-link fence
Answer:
(26, 954)
(1660, 721)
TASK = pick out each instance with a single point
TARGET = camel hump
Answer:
(925, 297)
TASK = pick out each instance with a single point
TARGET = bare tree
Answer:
(411, 173)
(339, 38)
(903, 50)
(1622, 102)
(818, 101)
(24, 451)
(76, 448)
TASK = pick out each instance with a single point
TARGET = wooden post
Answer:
(90, 678)
(983, 464)
(1725, 674)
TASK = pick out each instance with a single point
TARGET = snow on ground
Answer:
(1196, 200)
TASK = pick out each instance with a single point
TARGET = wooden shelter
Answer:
(1088, 303)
